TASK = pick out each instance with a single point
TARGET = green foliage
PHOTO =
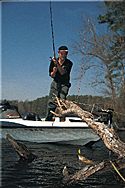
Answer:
(115, 16)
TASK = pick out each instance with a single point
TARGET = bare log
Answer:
(87, 171)
(108, 135)
(23, 152)
(83, 173)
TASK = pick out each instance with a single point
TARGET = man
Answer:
(59, 70)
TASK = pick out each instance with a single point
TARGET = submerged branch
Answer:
(23, 152)
(87, 171)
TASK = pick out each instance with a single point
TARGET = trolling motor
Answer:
(109, 113)
(105, 116)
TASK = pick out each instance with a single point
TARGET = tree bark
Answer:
(23, 152)
(87, 171)
(108, 135)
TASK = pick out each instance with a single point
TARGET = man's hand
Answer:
(58, 67)
(53, 73)
(54, 69)
(54, 60)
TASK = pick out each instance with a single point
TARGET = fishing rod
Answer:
(52, 30)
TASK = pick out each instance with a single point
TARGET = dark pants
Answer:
(61, 91)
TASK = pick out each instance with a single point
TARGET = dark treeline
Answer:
(86, 102)
(38, 106)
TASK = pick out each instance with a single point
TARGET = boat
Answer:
(71, 130)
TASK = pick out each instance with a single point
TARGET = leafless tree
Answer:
(100, 55)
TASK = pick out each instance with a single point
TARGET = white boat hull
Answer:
(43, 132)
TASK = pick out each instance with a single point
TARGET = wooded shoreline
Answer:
(86, 102)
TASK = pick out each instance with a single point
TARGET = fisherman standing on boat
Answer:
(59, 70)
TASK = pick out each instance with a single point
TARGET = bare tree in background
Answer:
(100, 55)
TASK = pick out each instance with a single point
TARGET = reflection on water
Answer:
(46, 170)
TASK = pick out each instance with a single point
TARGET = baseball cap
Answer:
(63, 48)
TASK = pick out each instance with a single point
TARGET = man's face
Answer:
(62, 54)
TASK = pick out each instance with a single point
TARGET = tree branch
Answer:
(87, 171)
(108, 135)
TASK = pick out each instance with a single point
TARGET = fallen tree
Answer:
(108, 136)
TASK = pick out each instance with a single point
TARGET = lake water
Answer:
(46, 170)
